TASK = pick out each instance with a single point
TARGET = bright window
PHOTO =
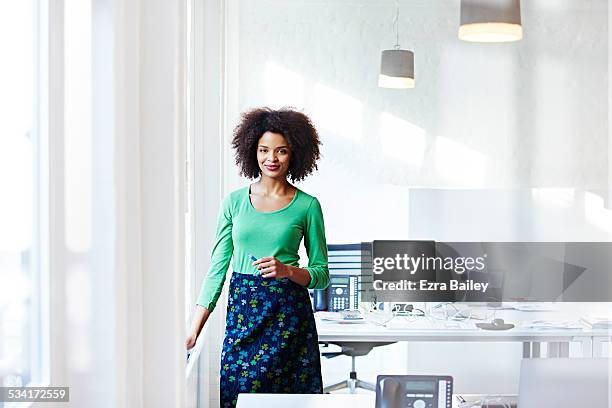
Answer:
(20, 334)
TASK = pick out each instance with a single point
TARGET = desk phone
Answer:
(414, 391)
(342, 293)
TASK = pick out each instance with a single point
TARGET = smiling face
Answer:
(273, 155)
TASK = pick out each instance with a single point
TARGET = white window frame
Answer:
(40, 255)
(211, 105)
(50, 175)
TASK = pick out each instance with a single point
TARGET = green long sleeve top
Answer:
(243, 230)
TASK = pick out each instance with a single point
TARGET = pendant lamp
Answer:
(397, 65)
(490, 21)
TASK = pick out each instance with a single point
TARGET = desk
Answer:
(306, 400)
(318, 400)
(558, 339)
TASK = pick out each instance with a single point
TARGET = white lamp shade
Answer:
(396, 69)
(490, 21)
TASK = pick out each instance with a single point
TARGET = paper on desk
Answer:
(400, 323)
(598, 322)
(553, 325)
(533, 307)
(336, 317)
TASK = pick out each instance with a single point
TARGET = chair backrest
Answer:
(565, 383)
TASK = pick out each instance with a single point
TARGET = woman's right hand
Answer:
(191, 341)
(200, 317)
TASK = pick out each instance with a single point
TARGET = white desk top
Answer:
(366, 400)
(428, 329)
(306, 400)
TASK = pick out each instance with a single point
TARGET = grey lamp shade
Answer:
(396, 69)
(490, 21)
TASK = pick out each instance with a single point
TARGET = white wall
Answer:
(532, 113)
(523, 126)
(527, 114)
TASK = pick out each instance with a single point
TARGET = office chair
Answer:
(353, 350)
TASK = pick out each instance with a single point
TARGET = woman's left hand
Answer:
(270, 267)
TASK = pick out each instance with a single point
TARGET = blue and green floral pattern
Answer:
(271, 343)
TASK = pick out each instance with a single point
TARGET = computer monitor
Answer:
(494, 278)
(413, 250)
(518, 271)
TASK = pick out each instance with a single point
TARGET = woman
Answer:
(271, 343)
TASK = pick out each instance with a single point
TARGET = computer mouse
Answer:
(498, 322)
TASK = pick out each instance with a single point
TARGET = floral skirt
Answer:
(271, 343)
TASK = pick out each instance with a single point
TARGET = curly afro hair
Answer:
(295, 126)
